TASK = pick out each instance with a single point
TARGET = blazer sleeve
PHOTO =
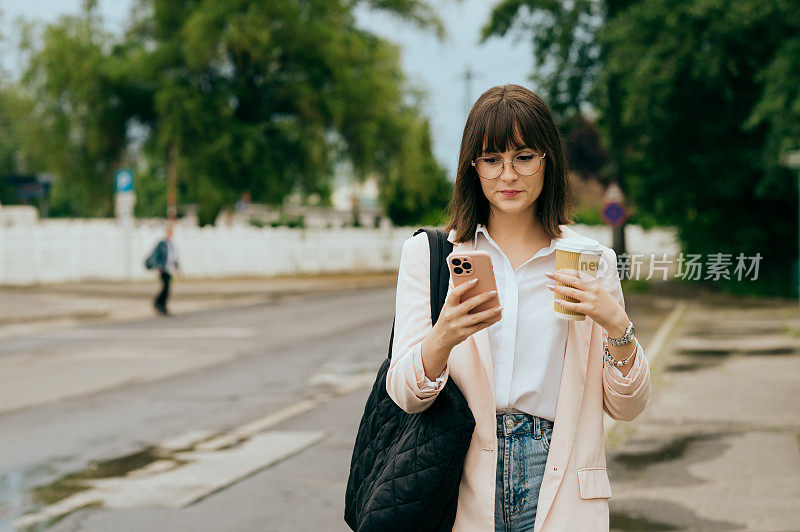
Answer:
(624, 398)
(406, 383)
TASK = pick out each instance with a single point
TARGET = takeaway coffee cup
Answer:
(581, 254)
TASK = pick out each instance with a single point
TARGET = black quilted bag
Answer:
(406, 468)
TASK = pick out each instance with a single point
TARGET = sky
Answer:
(436, 66)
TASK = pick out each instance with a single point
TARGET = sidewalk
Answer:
(116, 301)
(718, 447)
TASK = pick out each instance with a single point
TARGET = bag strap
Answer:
(440, 248)
(440, 274)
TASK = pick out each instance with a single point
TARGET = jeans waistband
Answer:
(518, 423)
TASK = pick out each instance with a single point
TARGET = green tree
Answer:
(566, 54)
(13, 108)
(230, 95)
(697, 101)
(77, 127)
(267, 96)
(416, 188)
(709, 98)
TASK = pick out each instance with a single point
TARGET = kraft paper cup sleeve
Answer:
(585, 256)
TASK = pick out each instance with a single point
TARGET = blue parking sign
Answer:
(123, 180)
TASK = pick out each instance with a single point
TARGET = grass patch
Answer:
(637, 286)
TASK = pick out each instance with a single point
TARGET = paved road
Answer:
(260, 360)
(242, 418)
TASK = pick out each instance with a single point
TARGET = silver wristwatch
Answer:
(625, 339)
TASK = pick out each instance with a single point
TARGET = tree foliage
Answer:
(77, 123)
(265, 96)
(565, 52)
(416, 189)
(709, 99)
(698, 100)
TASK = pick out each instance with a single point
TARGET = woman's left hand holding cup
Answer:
(593, 300)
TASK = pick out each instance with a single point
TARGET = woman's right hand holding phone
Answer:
(456, 324)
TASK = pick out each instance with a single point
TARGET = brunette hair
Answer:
(503, 118)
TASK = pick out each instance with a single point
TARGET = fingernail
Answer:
(493, 292)
(549, 286)
(473, 281)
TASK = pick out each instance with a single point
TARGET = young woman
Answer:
(536, 384)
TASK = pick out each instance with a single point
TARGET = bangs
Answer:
(510, 128)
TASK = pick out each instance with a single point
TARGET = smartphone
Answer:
(468, 265)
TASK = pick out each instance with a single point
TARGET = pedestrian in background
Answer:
(164, 258)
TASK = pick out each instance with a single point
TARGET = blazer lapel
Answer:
(481, 339)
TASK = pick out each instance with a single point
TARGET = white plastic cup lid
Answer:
(579, 244)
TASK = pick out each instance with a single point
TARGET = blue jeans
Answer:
(523, 441)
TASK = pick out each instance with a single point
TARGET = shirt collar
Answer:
(566, 231)
(480, 228)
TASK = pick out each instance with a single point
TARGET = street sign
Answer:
(614, 214)
(123, 180)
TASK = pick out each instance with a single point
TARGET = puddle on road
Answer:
(621, 520)
(34, 499)
(707, 353)
(78, 481)
(693, 360)
(666, 461)
(640, 515)
(689, 366)
(673, 450)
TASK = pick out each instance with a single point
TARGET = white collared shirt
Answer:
(529, 343)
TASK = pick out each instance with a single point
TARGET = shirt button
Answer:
(509, 422)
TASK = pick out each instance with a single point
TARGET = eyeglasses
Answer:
(491, 166)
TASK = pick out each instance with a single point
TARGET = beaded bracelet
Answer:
(619, 363)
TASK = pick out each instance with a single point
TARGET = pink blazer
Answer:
(575, 487)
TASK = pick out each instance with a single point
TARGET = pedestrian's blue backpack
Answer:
(152, 261)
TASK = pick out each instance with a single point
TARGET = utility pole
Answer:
(468, 76)
(615, 214)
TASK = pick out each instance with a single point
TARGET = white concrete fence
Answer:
(71, 250)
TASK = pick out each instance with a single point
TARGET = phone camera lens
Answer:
(458, 270)
(467, 265)
(456, 262)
